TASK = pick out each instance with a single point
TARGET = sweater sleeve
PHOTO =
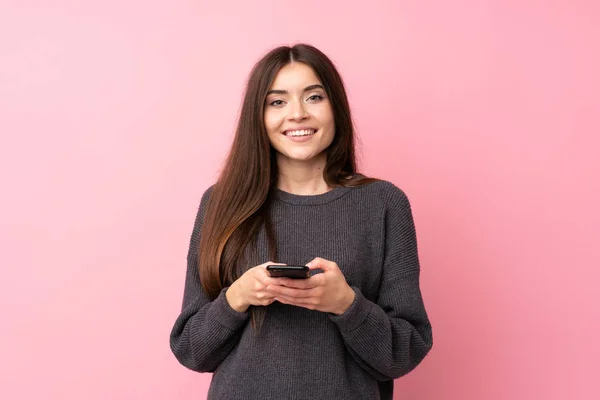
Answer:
(390, 337)
(206, 331)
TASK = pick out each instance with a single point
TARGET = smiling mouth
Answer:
(300, 132)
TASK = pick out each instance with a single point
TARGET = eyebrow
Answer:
(306, 89)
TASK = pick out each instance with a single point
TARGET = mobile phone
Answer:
(289, 271)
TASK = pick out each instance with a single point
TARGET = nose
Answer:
(298, 111)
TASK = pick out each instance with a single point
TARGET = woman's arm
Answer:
(206, 331)
(391, 337)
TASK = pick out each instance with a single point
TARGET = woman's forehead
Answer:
(295, 76)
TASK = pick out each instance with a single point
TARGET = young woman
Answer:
(289, 193)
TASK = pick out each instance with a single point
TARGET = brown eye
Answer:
(315, 97)
(276, 103)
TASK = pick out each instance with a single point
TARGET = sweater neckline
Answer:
(309, 200)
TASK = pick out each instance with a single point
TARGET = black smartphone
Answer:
(289, 271)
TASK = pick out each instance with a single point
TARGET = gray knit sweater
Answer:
(305, 354)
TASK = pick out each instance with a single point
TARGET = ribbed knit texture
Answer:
(305, 354)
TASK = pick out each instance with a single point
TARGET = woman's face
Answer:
(298, 115)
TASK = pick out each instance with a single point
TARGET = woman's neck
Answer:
(302, 177)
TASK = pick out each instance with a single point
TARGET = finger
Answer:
(290, 292)
(296, 302)
(267, 280)
(263, 276)
(270, 263)
(308, 283)
(264, 295)
(321, 263)
(266, 302)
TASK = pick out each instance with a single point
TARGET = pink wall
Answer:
(115, 117)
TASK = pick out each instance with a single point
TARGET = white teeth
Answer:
(305, 132)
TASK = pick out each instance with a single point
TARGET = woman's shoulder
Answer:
(206, 196)
(384, 190)
(208, 192)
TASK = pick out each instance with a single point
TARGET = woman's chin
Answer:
(299, 157)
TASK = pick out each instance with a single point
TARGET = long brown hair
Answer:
(240, 199)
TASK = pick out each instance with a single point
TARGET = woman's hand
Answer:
(326, 292)
(251, 288)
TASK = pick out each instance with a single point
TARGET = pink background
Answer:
(115, 116)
